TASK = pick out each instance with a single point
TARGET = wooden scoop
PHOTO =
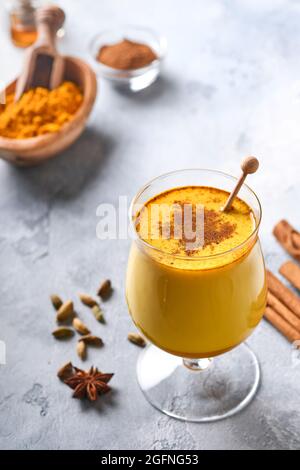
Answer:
(28, 152)
(43, 65)
(248, 166)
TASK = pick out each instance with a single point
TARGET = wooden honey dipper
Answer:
(43, 66)
(249, 165)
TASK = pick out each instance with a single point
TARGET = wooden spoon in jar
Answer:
(249, 165)
(43, 67)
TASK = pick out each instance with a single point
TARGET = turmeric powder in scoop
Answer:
(39, 111)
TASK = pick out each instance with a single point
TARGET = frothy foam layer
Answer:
(188, 221)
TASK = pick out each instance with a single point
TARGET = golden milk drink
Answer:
(200, 302)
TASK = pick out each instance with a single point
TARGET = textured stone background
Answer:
(231, 87)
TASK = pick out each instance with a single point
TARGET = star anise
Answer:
(88, 384)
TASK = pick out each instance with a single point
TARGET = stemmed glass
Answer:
(197, 313)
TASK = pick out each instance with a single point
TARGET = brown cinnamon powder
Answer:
(216, 230)
(126, 55)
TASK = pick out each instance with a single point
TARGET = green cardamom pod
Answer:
(63, 332)
(65, 312)
(87, 300)
(80, 327)
(81, 349)
(137, 339)
(98, 314)
(105, 290)
(92, 340)
(56, 301)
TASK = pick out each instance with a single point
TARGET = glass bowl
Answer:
(134, 79)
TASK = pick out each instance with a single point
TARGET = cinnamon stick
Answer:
(282, 325)
(283, 311)
(283, 293)
(288, 237)
(296, 239)
(291, 271)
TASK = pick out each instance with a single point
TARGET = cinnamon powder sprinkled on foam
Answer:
(215, 228)
(221, 231)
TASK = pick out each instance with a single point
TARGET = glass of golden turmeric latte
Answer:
(196, 289)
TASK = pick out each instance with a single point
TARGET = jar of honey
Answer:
(23, 29)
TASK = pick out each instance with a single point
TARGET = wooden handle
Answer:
(249, 165)
(49, 20)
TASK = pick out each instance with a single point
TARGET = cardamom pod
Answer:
(63, 332)
(56, 301)
(65, 371)
(105, 290)
(98, 314)
(87, 300)
(137, 339)
(81, 349)
(80, 327)
(91, 340)
(65, 312)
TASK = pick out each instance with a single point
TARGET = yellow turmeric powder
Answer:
(39, 111)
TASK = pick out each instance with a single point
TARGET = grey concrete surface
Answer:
(231, 87)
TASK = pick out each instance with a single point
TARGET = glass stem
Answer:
(197, 365)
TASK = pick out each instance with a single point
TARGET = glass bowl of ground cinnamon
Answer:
(130, 56)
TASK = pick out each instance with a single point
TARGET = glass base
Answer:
(136, 84)
(199, 390)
